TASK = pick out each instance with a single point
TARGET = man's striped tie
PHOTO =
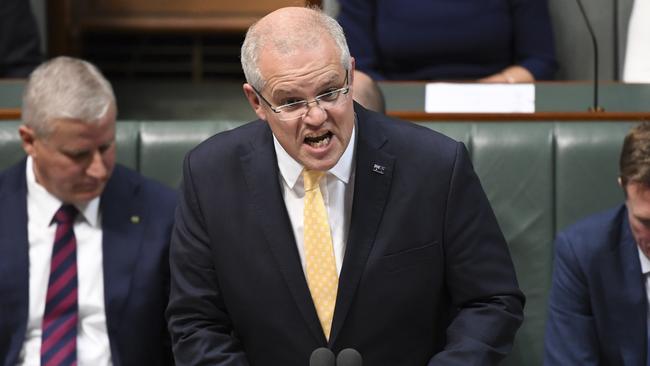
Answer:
(59, 339)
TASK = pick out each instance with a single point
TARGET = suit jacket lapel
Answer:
(261, 172)
(122, 234)
(627, 303)
(14, 258)
(373, 176)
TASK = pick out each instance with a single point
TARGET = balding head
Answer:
(286, 31)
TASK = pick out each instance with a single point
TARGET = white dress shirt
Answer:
(645, 269)
(92, 338)
(337, 188)
(637, 54)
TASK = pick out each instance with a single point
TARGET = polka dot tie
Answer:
(322, 278)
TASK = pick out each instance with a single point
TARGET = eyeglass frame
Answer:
(317, 99)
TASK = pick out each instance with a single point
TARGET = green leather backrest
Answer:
(539, 178)
(10, 148)
(163, 146)
(587, 169)
(127, 144)
(517, 174)
(515, 164)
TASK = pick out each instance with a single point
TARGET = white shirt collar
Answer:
(49, 204)
(291, 170)
(645, 262)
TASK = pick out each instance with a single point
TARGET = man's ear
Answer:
(254, 101)
(27, 136)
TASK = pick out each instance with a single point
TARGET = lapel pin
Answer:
(135, 219)
(379, 169)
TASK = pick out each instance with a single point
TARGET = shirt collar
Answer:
(645, 262)
(291, 170)
(49, 204)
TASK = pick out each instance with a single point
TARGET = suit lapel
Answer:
(627, 301)
(373, 176)
(14, 258)
(122, 233)
(261, 171)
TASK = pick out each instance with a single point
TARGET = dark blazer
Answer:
(597, 307)
(20, 51)
(426, 278)
(136, 270)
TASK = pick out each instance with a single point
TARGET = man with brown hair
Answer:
(598, 307)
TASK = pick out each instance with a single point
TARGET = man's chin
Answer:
(319, 164)
(86, 196)
(322, 160)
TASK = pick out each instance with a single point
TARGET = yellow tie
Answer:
(322, 278)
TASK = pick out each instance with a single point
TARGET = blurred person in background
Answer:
(84, 269)
(20, 51)
(599, 304)
(496, 41)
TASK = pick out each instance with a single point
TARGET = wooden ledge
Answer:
(522, 117)
(9, 113)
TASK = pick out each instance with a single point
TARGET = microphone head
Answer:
(322, 357)
(349, 357)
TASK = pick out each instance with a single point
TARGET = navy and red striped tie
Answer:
(59, 339)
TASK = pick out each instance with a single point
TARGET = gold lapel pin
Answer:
(135, 219)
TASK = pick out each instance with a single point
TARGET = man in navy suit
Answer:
(113, 281)
(598, 307)
(415, 270)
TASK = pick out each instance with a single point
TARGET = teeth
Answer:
(323, 142)
(318, 141)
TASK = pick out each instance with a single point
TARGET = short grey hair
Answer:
(306, 31)
(65, 88)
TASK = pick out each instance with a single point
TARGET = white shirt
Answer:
(637, 53)
(645, 269)
(92, 337)
(337, 188)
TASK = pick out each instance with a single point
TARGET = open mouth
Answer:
(319, 141)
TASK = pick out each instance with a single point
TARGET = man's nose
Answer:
(315, 115)
(97, 168)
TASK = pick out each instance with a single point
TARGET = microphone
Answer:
(322, 357)
(349, 357)
(595, 107)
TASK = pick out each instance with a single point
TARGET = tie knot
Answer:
(65, 214)
(311, 179)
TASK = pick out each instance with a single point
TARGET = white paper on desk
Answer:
(479, 98)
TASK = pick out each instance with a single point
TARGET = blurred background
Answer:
(171, 60)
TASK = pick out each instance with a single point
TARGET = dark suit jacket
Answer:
(20, 49)
(426, 278)
(136, 270)
(597, 310)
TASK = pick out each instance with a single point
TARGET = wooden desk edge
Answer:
(14, 114)
(9, 113)
(518, 117)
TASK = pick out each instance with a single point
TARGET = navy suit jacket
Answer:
(426, 278)
(598, 307)
(136, 270)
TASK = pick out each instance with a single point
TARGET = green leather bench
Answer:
(539, 177)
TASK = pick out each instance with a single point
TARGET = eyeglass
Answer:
(296, 110)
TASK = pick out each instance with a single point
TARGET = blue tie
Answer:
(59, 339)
